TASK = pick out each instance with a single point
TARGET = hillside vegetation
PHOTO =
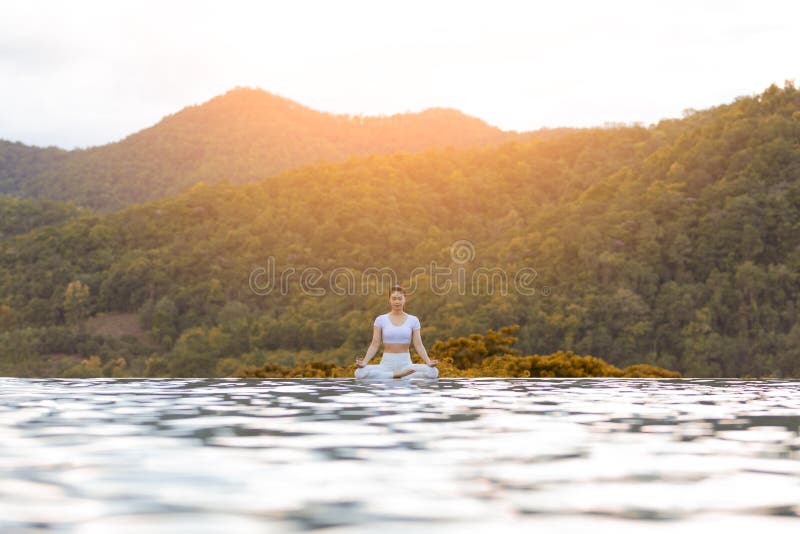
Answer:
(674, 246)
(245, 135)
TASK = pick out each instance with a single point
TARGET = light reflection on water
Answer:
(337, 455)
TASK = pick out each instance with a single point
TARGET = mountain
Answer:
(676, 245)
(242, 136)
(19, 216)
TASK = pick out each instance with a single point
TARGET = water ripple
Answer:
(202, 455)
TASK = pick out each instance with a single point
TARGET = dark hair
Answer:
(397, 288)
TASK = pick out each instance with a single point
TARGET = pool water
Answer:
(340, 455)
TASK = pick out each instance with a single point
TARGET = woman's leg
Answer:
(375, 371)
(402, 373)
(398, 363)
(424, 371)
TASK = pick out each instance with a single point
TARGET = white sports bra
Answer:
(397, 334)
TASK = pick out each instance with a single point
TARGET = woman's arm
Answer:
(416, 337)
(373, 347)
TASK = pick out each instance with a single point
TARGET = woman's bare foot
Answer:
(401, 374)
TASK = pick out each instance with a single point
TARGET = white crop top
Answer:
(397, 334)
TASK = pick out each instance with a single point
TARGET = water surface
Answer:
(337, 455)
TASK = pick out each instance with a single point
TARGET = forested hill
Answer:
(242, 136)
(676, 245)
(19, 216)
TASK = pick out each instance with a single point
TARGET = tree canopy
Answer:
(674, 245)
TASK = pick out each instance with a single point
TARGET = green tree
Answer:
(165, 322)
(76, 302)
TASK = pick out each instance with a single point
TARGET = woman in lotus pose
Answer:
(397, 329)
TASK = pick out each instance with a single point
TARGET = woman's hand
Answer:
(360, 363)
(433, 363)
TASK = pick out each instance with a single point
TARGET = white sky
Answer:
(82, 73)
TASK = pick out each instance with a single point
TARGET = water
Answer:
(334, 455)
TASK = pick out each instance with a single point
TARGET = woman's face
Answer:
(397, 300)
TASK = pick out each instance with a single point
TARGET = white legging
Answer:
(396, 361)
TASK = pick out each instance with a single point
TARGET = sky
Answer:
(85, 73)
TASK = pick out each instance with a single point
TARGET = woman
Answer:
(397, 329)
